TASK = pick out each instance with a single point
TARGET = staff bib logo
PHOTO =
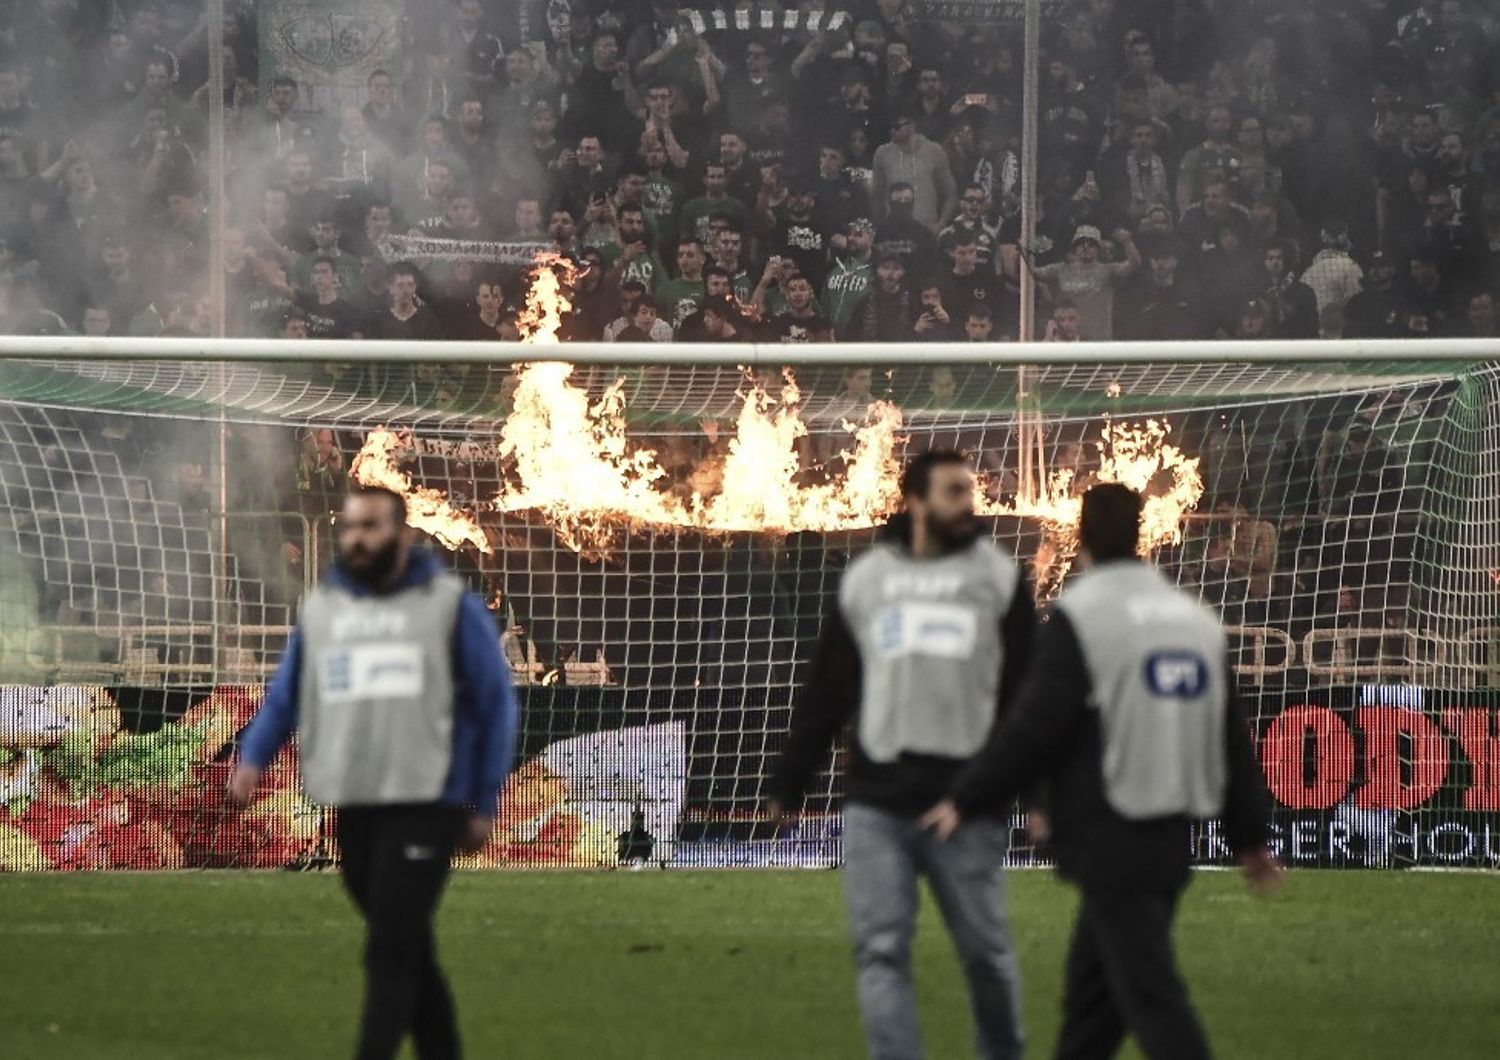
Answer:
(1176, 674)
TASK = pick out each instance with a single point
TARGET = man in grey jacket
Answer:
(911, 158)
(922, 651)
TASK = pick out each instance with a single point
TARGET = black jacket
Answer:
(1051, 736)
(830, 699)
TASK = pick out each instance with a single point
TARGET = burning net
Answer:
(570, 457)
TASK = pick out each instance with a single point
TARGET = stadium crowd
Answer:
(845, 170)
(1253, 168)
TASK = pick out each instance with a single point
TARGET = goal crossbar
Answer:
(80, 348)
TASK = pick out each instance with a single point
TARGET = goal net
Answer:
(658, 544)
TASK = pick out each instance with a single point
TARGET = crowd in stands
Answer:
(1207, 168)
(842, 170)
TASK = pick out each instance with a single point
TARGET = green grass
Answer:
(713, 965)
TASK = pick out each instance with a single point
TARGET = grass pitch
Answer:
(711, 965)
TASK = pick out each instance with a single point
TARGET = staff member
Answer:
(923, 650)
(407, 724)
(1128, 712)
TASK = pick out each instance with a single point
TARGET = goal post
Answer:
(659, 531)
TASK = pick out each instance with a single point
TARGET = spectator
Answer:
(1216, 158)
(1333, 275)
(1372, 312)
(326, 314)
(848, 284)
(1088, 283)
(801, 321)
(326, 233)
(901, 233)
(644, 325)
(1167, 308)
(979, 325)
(632, 294)
(973, 206)
(714, 202)
(889, 314)
(934, 323)
(912, 160)
(728, 254)
(1293, 306)
(1427, 299)
(840, 195)
(1479, 317)
(1065, 324)
(385, 118)
(721, 322)
(97, 322)
(1137, 181)
(966, 284)
(407, 317)
(1203, 221)
(795, 230)
(680, 298)
(483, 321)
(632, 258)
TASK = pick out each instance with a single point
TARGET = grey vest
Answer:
(928, 633)
(1159, 678)
(376, 693)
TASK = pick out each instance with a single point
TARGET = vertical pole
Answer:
(1030, 73)
(217, 221)
(1031, 472)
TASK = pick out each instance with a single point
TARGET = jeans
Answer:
(883, 855)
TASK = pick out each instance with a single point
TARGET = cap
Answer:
(861, 224)
(1087, 232)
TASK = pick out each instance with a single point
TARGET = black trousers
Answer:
(395, 863)
(1122, 976)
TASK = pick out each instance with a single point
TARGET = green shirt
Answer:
(661, 202)
(845, 291)
(696, 214)
(679, 299)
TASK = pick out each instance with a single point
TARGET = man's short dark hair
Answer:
(720, 306)
(324, 259)
(1109, 525)
(398, 502)
(981, 312)
(276, 82)
(916, 478)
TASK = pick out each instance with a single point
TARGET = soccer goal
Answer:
(658, 531)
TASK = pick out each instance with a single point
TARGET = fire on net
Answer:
(570, 459)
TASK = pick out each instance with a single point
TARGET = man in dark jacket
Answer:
(1128, 714)
(407, 724)
(932, 628)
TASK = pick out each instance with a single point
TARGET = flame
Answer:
(569, 457)
(540, 321)
(1137, 455)
(428, 510)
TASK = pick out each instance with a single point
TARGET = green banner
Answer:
(329, 47)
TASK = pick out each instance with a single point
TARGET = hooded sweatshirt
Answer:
(922, 654)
